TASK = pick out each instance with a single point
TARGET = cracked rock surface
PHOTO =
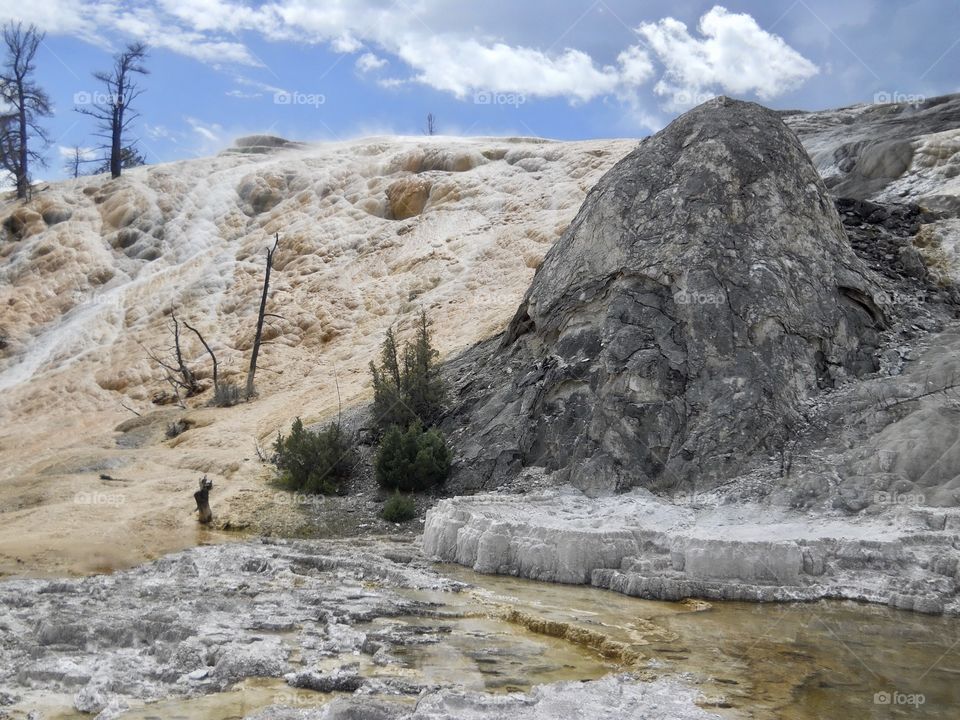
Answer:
(703, 291)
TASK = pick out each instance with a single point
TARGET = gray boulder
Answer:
(704, 291)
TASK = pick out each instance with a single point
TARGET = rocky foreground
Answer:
(326, 620)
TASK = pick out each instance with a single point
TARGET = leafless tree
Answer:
(114, 112)
(177, 374)
(26, 103)
(263, 313)
(216, 382)
(76, 158)
(431, 124)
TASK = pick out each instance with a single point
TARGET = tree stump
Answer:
(202, 496)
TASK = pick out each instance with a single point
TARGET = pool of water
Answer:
(793, 661)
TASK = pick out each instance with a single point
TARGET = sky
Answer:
(329, 70)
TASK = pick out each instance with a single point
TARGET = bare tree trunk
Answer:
(263, 309)
(216, 384)
(189, 381)
(202, 496)
(116, 143)
(23, 177)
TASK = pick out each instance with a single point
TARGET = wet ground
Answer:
(193, 635)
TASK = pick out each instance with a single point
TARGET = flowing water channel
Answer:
(798, 661)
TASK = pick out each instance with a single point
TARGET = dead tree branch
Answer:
(216, 384)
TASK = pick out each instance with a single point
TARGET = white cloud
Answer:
(214, 15)
(54, 16)
(735, 55)
(369, 62)
(146, 25)
(392, 83)
(346, 43)
(256, 88)
(157, 132)
(464, 66)
(212, 133)
(635, 66)
(731, 53)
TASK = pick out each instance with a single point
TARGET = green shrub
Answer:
(314, 461)
(412, 461)
(407, 387)
(399, 508)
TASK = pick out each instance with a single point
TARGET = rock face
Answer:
(704, 290)
(887, 151)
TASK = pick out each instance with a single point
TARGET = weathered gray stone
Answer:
(342, 679)
(704, 291)
(874, 151)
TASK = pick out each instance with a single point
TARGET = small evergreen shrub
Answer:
(314, 461)
(407, 387)
(413, 460)
(399, 508)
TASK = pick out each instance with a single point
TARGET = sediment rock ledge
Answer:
(639, 545)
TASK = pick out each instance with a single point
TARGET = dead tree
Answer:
(74, 161)
(216, 382)
(263, 311)
(113, 111)
(25, 103)
(177, 374)
(202, 496)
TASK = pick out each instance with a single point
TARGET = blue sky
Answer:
(328, 70)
